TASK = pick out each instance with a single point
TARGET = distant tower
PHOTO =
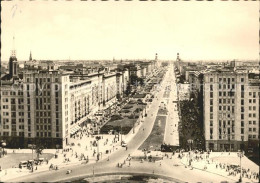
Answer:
(30, 58)
(178, 57)
(156, 57)
(13, 65)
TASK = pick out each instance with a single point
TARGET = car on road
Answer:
(123, 144)
(23, 164)
(68, 171)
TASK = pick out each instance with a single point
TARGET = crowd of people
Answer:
(197, 158)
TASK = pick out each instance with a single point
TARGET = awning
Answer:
(74, 129)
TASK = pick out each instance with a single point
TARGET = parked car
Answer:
(123, 144)
(23, 164)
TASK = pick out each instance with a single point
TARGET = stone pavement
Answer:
(212, 165)
(171, 135)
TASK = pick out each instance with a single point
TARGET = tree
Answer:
(38, 151)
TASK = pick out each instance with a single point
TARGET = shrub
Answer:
(115, 117)
(128, 107)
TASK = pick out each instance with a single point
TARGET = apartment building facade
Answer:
(228, 110)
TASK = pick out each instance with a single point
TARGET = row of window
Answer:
(226, 86)
(252, 122)
(252, 136)
(227, 80)
(252, 115)
(250, 129)
(46, 134)
(252, 108)
(43, 127)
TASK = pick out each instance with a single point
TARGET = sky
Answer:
(96, 30)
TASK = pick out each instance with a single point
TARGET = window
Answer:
(250, 115)
(242, 130)
(220, 108)
(211, 109)
(211, 116)
(242, 101)
(224, 94)
(250, 93)
(242, 116)
(242, 87)
(254, 94)
(220, 101)
(224, 79)
(250, 122)
(220, 94)
(211, 87)
(250, 129)
(242, 80)
(250, 108)
(211, 94)
(211, 79)
(233, 79)
(242, 123)
(254, 122)
(254, 129)
(211, 123)
(211, 101)
(220, 79)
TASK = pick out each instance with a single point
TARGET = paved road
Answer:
(171, 135)
(118, 156)
(166, 168)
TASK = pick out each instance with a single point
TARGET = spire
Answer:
(178, 57)
(156, 57)
(30, 58)
(13, 52)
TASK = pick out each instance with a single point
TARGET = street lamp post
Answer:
(98, 138)
(240, 155)
(190, 141)
(134, 123)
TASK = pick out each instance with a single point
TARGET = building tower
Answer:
(30, 58)
(178, 57)
(13, 65)
(156, 57)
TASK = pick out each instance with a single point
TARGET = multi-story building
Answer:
(231, 104)
(46, 107)
(43, 106)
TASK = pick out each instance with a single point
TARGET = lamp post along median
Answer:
(240, 155)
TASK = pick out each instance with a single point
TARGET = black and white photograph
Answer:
(129, 91)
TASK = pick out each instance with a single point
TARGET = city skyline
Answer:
(124, 30)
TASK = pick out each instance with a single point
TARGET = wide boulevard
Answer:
(168, 167)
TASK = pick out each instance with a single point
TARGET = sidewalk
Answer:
(210, 166)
